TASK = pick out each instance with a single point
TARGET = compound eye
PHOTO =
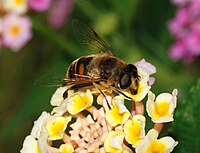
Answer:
(125, 81)
(131, 69)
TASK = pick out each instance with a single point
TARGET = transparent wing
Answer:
(58, 80)
(51, 80)
(88, 38)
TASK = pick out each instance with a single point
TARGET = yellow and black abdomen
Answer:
(79, 67)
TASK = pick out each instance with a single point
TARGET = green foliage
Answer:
(36, 100)
(186, 128)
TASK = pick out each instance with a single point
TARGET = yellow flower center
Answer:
(156, 147)
(136, 129)
(66, 148)
(80, 102)
(37, 150)
(19, 2)
(57, 127)
(161, 109)
(115, 113)
(15, 30)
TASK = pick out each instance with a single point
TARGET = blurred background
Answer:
(36, 39)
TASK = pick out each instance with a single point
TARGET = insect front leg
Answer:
(96, 86)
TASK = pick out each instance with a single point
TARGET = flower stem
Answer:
(133, 108)
(139, 108)
(158, 127)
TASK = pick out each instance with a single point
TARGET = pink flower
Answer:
(178, 24)
(148, 67)
(180, 2)
(89, 133)
(185, 28)
(195, 7)
(193, 42)
(16, 31)
(59, 12)
(39, 5)
(177, 50)
(1, 29)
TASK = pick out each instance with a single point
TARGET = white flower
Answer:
(39, 124)
(30, 145)
(79, 101)
(15, 6)
(55, 126)
(134, 129)
(162, 108)
(118, 114)
(57, 97)
(151, 144)
(114, 141)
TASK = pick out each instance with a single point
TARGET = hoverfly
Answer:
(102, 71)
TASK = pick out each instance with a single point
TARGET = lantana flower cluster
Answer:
(16, 26)
(185, 29)
(89, 122)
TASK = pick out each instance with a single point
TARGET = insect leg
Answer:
(96, 86)
(118, 91)
(76, 87)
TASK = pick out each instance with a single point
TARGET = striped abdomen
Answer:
(78, 67)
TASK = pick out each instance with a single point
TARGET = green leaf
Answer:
(186, 128)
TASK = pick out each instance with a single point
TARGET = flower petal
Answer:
(16, 31)
(79, 101)
(38, 124)
(30, 145)
(162, 108)
(114, 141)
(148, 67)
(143, 145)
(57, 97)
(56, 126)
(134, 129)
(169, 142)
(15, 6)
(39, 5)
(118, 114)
(66, 148)
(151, 144)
